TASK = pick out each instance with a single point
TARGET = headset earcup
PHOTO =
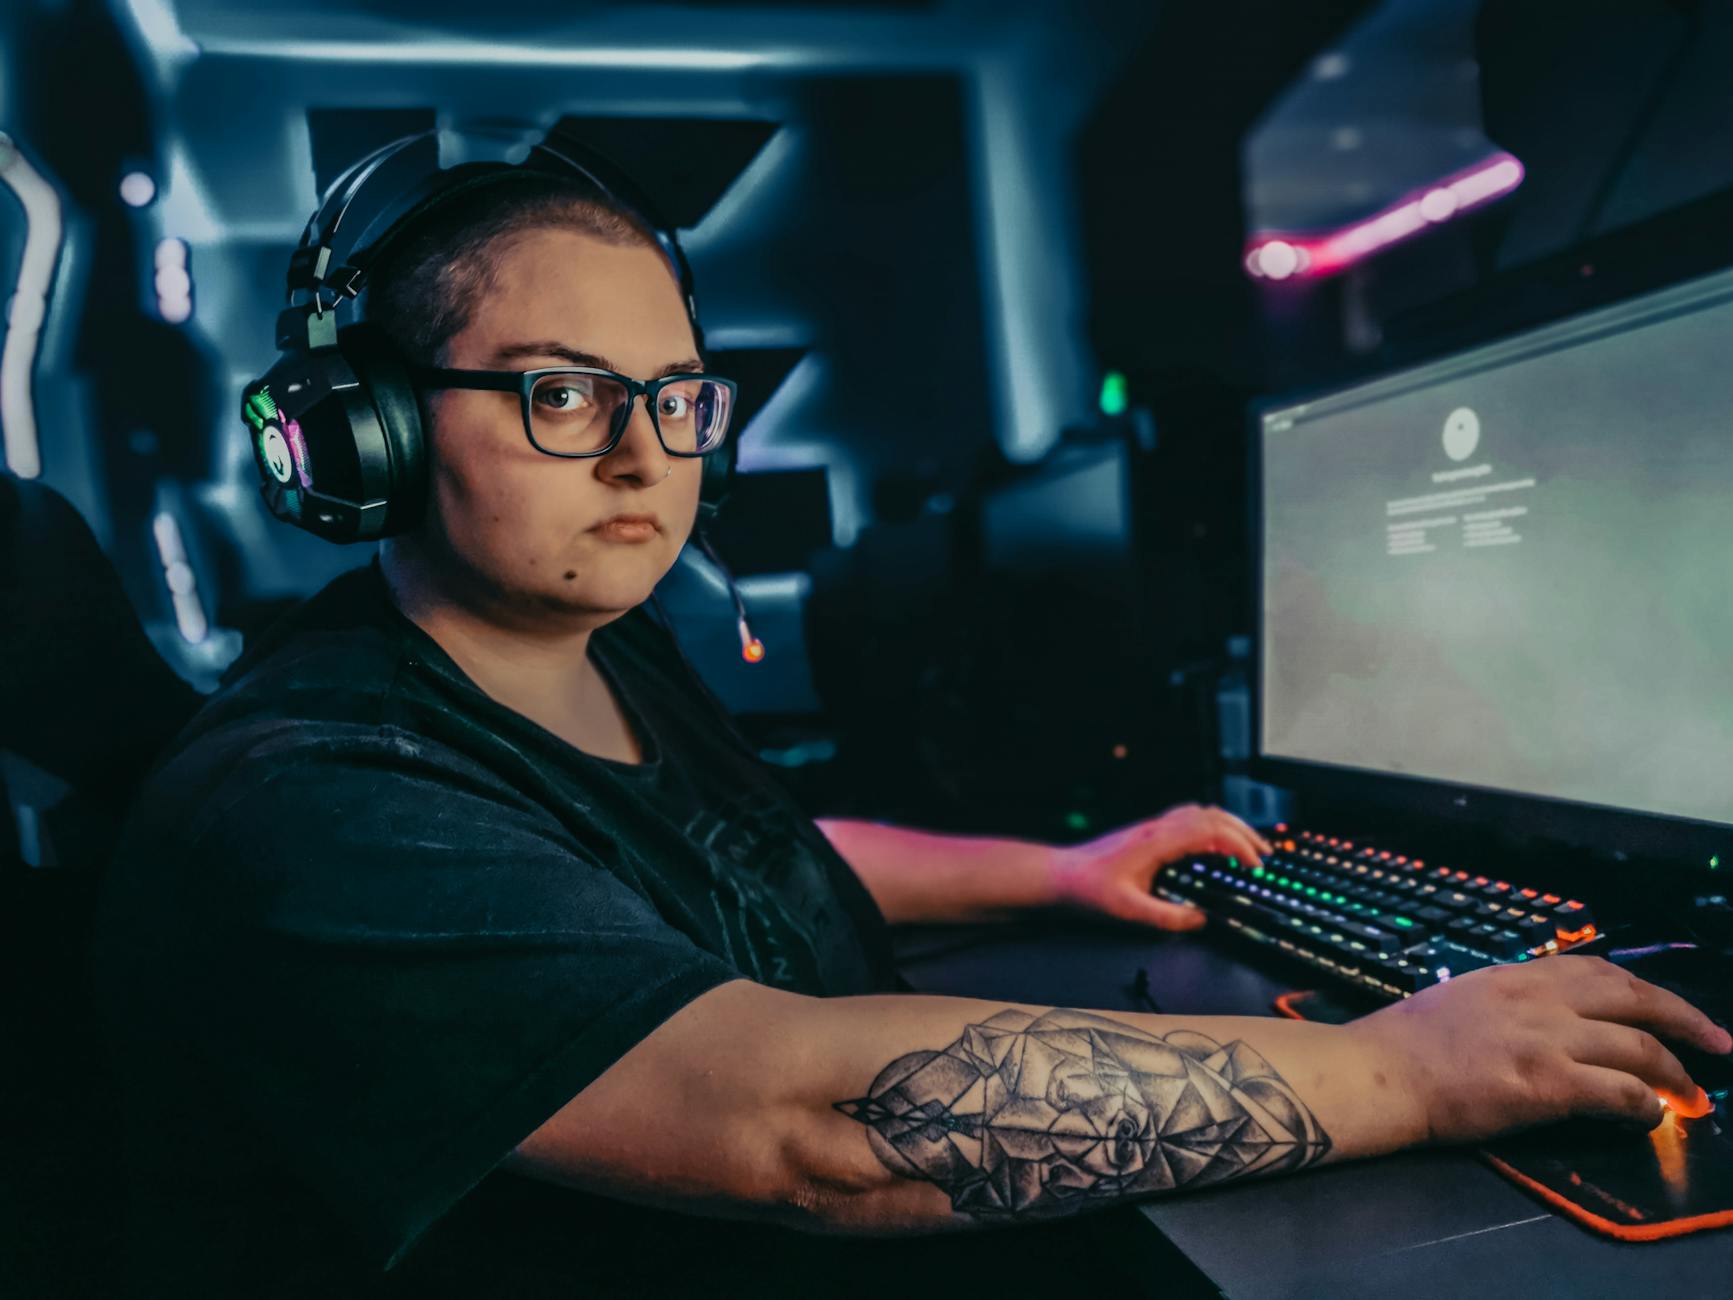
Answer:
(383, 377)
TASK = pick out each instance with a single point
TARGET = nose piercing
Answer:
(670, 472)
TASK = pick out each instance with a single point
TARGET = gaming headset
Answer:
(337, 426)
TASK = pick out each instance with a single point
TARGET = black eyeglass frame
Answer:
(523, 383)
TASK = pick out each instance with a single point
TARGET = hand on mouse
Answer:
(1513, 1046)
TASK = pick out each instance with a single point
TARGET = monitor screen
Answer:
(1513, 568)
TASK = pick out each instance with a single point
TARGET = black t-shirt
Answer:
(367, 929)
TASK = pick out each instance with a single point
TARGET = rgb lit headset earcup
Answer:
(383, 377)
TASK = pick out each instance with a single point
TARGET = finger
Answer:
(1172, 837)
(1600, 1093)
(1635, 1052)
(1618, 996)
(1234, 837)
(1146, 909)
(1245, 827)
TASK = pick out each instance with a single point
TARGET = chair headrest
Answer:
(83, 692)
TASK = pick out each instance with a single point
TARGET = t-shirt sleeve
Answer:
(399, 969)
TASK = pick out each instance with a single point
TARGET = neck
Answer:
(534, 662)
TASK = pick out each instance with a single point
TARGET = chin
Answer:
(615, 590)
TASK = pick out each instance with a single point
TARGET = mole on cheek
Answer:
(570, 574)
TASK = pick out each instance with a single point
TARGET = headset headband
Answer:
(310, 267)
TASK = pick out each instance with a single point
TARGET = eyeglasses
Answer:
(578, 411)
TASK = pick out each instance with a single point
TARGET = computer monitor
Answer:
(1501, 583)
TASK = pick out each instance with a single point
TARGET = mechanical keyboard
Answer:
(1387, 922)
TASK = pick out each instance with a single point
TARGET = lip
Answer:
(627, 528)
(629, 520)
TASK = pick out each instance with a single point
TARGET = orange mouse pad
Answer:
(1674, 1179)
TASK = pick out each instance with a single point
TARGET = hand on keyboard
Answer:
(1112, 875)
(1512, 1046)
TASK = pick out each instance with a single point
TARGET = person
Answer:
(461, 945)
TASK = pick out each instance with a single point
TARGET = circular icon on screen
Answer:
(1461, 433)
(275, 449)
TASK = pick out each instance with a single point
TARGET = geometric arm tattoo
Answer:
(1026, 1115)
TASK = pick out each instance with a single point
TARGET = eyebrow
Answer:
(578, 357)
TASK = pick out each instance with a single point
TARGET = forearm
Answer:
(921, 1112)
(888, 1114)
(924, 876)
(892, 1114)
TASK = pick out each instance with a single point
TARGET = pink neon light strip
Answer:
(1272, 255)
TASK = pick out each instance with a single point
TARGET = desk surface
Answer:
(1417, 1226)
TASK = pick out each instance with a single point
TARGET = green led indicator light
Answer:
(1313, 892)
(1258, 872)
(1113, 393)
(1404, 922)
(1077, 821)
(1233, 862)
(1714, 862)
